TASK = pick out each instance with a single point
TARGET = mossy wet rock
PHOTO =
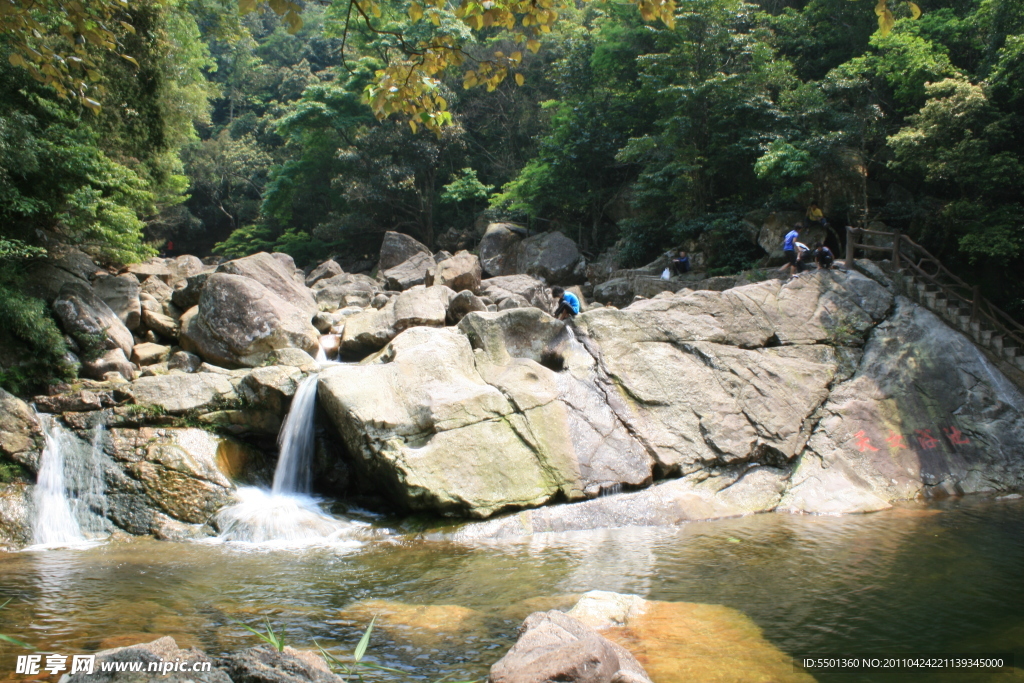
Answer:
(276, 276)
(169, 471)
(21, 438)
(85, 315)
(239, 321)
(16, 511)
(423, 424)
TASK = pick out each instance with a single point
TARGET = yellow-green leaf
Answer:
(533, 45)
(915, 11)
(415, 11)
(127, 58)
(16, 60)
(886, 23)
(880, 8)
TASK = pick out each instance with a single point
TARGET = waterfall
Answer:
(321, 355)
(69, 487)
(287, 515)
(296, 443)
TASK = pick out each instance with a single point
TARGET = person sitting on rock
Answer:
(681, 263)
(789, 250)
(823, 256)
(804, 256)
(816, 215)
(568, 304)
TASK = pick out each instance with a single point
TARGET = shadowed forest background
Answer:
(233, 136)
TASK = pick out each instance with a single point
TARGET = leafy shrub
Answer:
(32, 336)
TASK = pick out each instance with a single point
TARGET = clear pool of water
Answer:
(942, 578)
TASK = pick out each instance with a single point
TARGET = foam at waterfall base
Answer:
(263, 518)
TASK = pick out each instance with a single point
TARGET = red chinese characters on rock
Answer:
(863, 442)
(925, 440)
(955, 436)
(896, 441)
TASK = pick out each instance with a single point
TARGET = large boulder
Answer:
(270, 272)
(424, 426)
(239, 321)
(398, 248)
(121, 294)
(526, 290)
(86, 316)
(45, 278)
(370, 330)
(327, 269)
(498, 249)
(408, 273)
(459, 272)
(462, 304)
(267, 665)
(187, 295)
(184, 267)
(347, 289)
(20, 436)
(553, 257)
(554, 646)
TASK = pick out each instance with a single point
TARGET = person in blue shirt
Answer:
(568, 304)
(789, 249)
(681, 263)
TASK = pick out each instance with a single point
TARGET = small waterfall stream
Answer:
(287, 514)
(69, 487)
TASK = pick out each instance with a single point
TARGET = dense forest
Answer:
(229, 133)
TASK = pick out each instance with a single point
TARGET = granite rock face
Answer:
(498, 249)
(270, 272)
(398, 248)
(553, 257)
(826, 394)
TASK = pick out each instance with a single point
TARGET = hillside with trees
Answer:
(217, 127)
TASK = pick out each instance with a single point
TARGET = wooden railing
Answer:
(907, 255)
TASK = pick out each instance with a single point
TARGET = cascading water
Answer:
(69, 487)
(295, 441)
(287, 514)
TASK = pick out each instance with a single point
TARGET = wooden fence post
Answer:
(851, 240)
(975, 302)
(896, 238)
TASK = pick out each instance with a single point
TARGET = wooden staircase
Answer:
(931, 284)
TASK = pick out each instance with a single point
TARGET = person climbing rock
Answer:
(804, 256)
(568, 304)
(789, 250)
(823, 256)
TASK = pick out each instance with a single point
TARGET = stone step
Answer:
(1019, 362)
(997, 342)
(1009, 352)
(986, 337)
